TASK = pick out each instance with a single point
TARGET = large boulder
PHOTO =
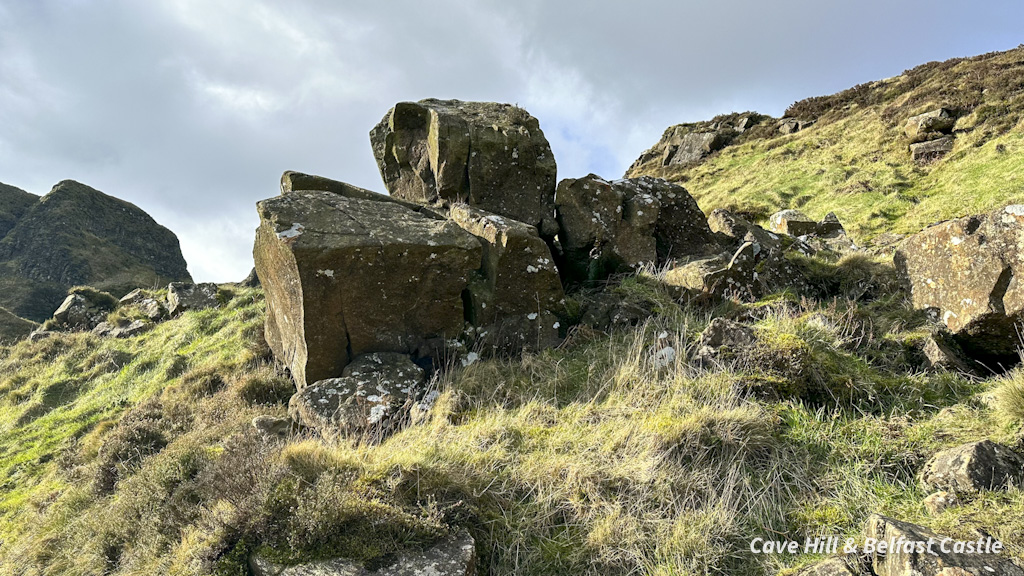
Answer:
(694, 147)
(974, 467)
(292, 181)
(965, 272)
(492, 156)
(903, 557)
(83, 309)
(373, 391)
(516, 300)
(748, 273)
(183, 296)
(344, 276)
(607, 227)
(792, 222)
(454, 555)
(930, 125)
(738, 230)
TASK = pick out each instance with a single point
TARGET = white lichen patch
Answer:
(294, 232)
(327, 273)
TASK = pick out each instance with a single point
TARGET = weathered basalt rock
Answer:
(930, 125)
(722, 342)
(608, 227)
(344, 277)
(292, 182)
(149, 306)
(925, 152)
(182, 296)
(837, 566)
(252, 280)
(900, 561)
(373, 392)
(81, 312)
(516, 300)
(454, 555)
(966, 272)
(491, 156)
(792, 222)
(737, 229)
(974, 467)
(937, 502)
(746, 274)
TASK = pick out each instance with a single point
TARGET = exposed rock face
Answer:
(930, 125)
(76, 235)
(941, 352)
(608, 227)
(344, 276)
(517, 298)
(688, 144)
(966, 271)
(924, 152)
(789, 125)
(902, 562)
(252, 280)
(454, 555)
(491, 156)
(182, 296)
(292, 181)
(373, 390)
(973, 467)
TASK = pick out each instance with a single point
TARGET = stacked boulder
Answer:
(965, 272)
(467, 254)
(930, 134)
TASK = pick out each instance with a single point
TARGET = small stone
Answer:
(937, 502)
(973, 467)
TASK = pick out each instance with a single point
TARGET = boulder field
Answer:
(472, 250)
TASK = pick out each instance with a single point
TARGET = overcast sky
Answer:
(191, 109)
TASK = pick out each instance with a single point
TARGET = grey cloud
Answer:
(192, 109)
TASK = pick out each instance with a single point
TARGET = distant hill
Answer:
(78, 235)
(848, 152)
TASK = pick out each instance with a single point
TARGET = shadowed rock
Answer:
(924, 152)
(516, 300)
(491, 156)
(965, 272)
(930, 125)
(344, 276)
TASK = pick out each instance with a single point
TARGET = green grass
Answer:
(854, 161)
(137, 456)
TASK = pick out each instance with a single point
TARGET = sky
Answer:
(192, 109)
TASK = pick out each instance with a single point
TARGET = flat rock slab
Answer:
(452, 556)
(972, 467)
(345, 276)
(492, 156)
(373, 390)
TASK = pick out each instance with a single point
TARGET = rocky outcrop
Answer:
(76, 235)
(374, 391)
(792, 222)
(608, 227)
(722, 342)
(126, 330)
(454, 555)
(931, 125)
(737, 229)
(965, 272)
(746, 274)
(151, 307)
(516, 299)
(83, 309)
(344, 276)
(907, 560)
(491, 156)
(689, 144)
(182, 296)
(974, 467)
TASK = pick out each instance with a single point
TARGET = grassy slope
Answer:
(136, 456)
(855, 161)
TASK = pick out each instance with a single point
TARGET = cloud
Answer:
(192, 109)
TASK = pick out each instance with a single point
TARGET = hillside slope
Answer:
(852, 156)
(78, 235)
